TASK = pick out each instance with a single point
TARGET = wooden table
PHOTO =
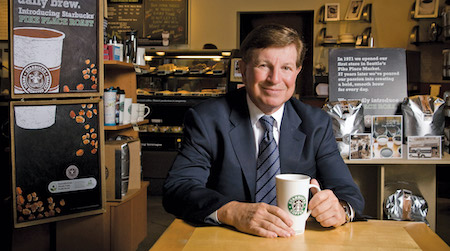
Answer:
(370, 235)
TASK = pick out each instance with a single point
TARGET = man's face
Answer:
(270, 76)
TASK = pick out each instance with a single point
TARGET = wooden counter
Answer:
(370, 235)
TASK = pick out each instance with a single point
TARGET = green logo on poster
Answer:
(297, 205)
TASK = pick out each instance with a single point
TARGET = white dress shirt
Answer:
(258, 130)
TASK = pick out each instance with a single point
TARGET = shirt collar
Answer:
(256, 113)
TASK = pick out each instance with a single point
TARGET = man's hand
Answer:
(256, 218)
(325, 207)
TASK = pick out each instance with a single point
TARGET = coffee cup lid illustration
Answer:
(35, 117)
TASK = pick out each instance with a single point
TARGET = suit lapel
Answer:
(292, 140)
(242, 138)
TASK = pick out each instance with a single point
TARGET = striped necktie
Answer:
(268, 164)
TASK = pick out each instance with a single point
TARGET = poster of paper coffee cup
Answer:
(292, 197)
(35, 117)
(37, 59)
(134, 113)
(143, 112)
(127, 110)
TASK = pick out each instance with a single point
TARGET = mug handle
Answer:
(147, 111)
(318, 190)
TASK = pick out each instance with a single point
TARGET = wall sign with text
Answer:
(375, 76)
(55, 48)
(167, 16)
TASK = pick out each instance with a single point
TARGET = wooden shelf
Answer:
(337, 44)
(445, 160)
(125, 126)
(131, 194)
(121, 74)
(118, 64)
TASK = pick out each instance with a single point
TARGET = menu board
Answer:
(375, 76)
(56, 154)
(55, 48)
(167, 16)
(125, 17)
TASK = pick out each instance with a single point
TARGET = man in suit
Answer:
(215, 177)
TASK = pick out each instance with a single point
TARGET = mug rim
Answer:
(292, 177)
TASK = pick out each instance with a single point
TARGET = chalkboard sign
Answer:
(375, 76)
(55, 48)
(167, 16)
(57, 167)
(123, 18)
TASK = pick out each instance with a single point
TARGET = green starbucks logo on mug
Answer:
(297, 205)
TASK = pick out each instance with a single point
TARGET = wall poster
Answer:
(57, 160)
(55, 48)
(375, 76)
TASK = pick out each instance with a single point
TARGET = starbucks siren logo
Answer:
(297, 205)
(35, 78)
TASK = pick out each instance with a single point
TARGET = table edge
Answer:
(424, 237)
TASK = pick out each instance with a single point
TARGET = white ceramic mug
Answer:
(140, 53)
(292, 197)
(134, 113)
(127, 111)
(143, 112)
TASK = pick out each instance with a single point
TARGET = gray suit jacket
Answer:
(217, 164)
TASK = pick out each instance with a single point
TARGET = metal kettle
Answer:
(130, 47)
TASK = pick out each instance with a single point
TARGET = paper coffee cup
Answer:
(37, 59)
(292, 197)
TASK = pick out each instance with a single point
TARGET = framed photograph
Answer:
(332, 12)
(354, 10)
(235, 74)
(387, 136)
(424, 147)
(426, 8)
(360, 146)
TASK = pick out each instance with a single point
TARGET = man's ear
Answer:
(299, 69)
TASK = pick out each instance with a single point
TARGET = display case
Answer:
(185, 73)
(169, 84)
(174, 81)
